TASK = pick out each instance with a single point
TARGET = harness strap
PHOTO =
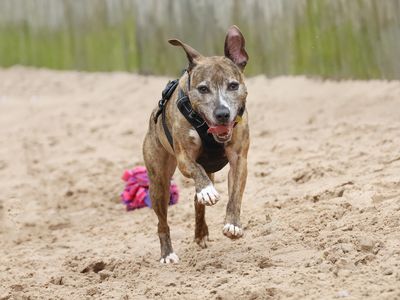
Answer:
(165, 96)
(185, 107)
(166, 130)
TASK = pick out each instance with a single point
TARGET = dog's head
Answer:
(217, 89)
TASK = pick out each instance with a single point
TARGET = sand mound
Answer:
(321, 210)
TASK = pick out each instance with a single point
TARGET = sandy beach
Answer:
(321, 210)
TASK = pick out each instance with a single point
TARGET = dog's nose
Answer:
(222, 114)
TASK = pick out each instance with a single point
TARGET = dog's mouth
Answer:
(221, 133)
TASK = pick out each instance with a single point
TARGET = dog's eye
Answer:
(233, 86)
(203, 89)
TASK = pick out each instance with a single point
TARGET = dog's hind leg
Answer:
(201, 229)
(160, 167)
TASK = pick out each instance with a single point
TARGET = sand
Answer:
(321, 210)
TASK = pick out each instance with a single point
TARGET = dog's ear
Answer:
(234, 47)
(192, 54)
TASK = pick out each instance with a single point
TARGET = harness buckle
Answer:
(161, 103)
(165, 95)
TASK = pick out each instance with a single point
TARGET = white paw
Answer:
(232, 231)
(208, 195)
(171, 258)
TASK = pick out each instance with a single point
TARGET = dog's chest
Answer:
(212, 158)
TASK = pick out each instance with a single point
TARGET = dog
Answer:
(204, 126)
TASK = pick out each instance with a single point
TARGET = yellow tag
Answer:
(238, 119)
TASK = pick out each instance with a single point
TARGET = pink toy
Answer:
(136, 192)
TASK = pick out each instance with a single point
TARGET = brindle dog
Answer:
(217, 92)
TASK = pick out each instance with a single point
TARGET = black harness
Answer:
(212, 157)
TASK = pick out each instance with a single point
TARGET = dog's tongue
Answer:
(220, 129)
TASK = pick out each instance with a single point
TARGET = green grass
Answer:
(327, 38)
(335, 49)
(92, 50)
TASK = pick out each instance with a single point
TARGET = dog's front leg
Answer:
(206, 194)
(236, 184)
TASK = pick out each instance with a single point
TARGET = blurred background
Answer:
(327, 38)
